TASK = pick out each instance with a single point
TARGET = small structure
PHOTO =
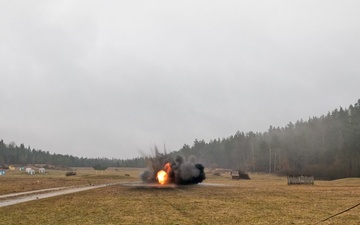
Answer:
(28, 169)
(238, 174)
(12, 168)
(2, 172)
(300, 179)
(100, 168)
(31, 172)
(21, 168)
(42, 170)
(235, 175)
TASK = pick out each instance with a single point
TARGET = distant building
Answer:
(235, 175)
(2, 172)
(100, 168)
(238, 174)
(12, 168)
(28, 169)
(300, 179)
(42, 170)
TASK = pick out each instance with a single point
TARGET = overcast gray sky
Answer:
(112, 78)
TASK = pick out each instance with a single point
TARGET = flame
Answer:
(162, 177)
(167, 168)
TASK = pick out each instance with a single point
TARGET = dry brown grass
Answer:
(20, 181)
(263, 200)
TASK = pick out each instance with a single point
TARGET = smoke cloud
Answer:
(178, 170)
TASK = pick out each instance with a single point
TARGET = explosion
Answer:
(162, 177)
(163, 170)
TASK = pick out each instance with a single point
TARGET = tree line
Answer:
(13, 154)
(327, 147)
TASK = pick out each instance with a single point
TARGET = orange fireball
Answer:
(167, 168)
(162, 177)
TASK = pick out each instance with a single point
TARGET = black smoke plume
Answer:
(179, 170)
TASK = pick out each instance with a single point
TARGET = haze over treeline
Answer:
(327, 147)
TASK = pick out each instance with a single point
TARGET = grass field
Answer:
(264, 199)
(20, 181)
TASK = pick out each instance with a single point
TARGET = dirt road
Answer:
(11, 199)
